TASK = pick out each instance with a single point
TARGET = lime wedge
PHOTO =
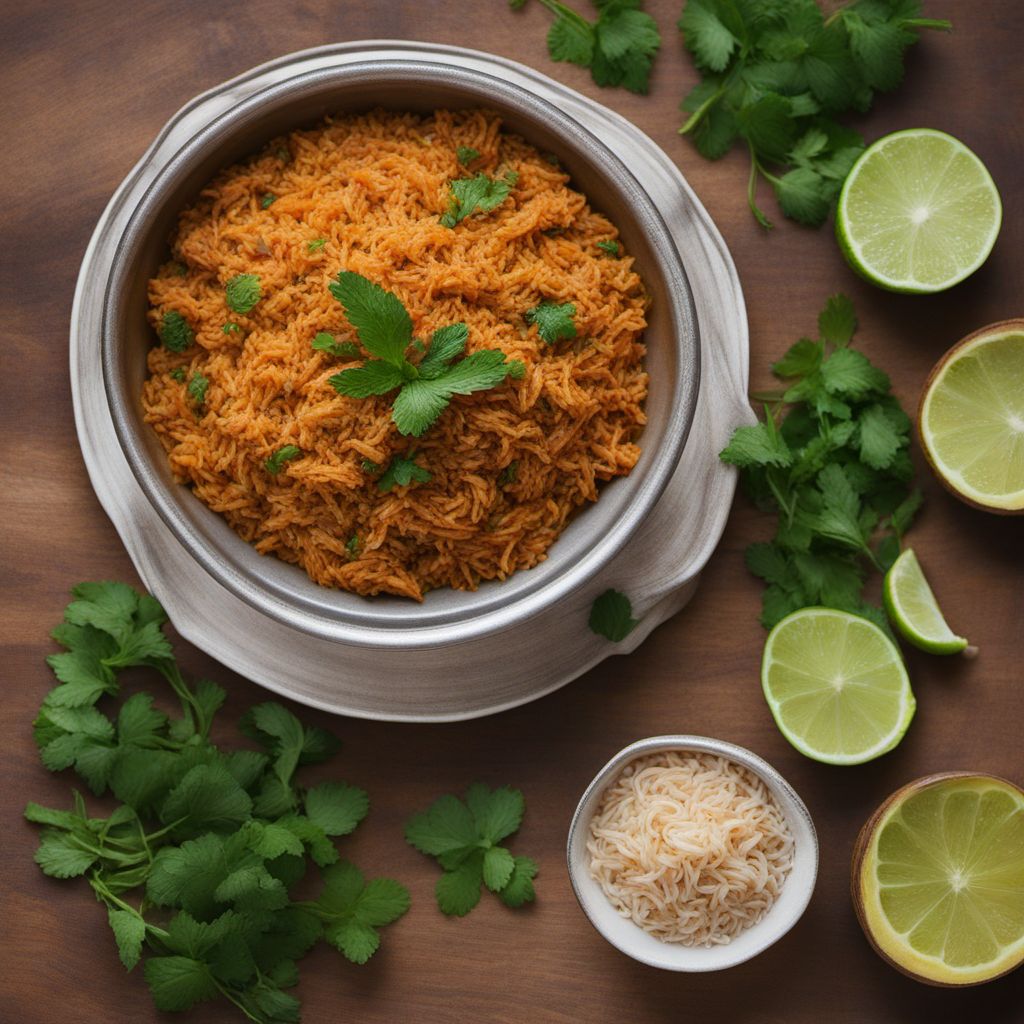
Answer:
(971, 418)
(938, 878)
(913, 609)
(918, 212)
(836, 686)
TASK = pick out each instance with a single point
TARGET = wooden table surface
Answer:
(86, 86)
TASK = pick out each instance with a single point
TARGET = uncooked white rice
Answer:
(690, 846)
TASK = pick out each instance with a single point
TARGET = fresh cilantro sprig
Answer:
(464, 837)
(196, 862)
(776, 75)
(466, 155)
(619, 47)
(401, 471)
(554, 321)
(424, 388)
(831, 458)
(479, 194)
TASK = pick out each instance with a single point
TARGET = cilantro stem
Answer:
(755, 168)
(566, 12)
(170, 671)
(107, 897)
(698, 115)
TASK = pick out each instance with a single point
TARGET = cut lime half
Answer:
(918, 212)
(971, 419)
(836, 686)
(938, 878)
(913, 609)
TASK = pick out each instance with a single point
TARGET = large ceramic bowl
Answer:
(284, 592)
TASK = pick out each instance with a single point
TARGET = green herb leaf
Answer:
(175, 333)
(336, 808)
(379, 318)
(268, 200)
(464, 837)
(421, 401)
(554, 321)
(178, 374)
(196, 389)
(179, 982)
(374, 377)
(129, 932)
(775, 74)
(466, 155)
(352, 910)
(476, 195)
(316, 244)
(831, 460)
(230, 328)
(619, 47)
(611, 616)
(611, 247)
(324, 342)
(401, 472)
(276, 462)
(243, 292)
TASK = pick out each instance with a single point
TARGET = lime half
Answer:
(836, 686)
(971, 418)
(913, 609)
(938, 878)
(918, 212)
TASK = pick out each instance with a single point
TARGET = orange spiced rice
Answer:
(509, 466)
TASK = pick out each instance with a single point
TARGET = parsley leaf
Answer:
(316, 245)
(477, 195)
(619, 47)
(243, 292)
(611, 616)
(178, 374)
(464, 837)
(424, 390)
(401, 472)
(830, 458)
(175, 333)
(466, 155)
(268, 200)
(611, 247)
(231, 328)
(554, 322)
(776, 74)
(276, 462)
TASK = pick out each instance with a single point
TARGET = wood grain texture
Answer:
(86, 86)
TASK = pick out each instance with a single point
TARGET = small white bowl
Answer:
(632, 940)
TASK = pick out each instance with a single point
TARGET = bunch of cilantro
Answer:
(619, 47)
(831, 458)
(776, 73)
(196, 863)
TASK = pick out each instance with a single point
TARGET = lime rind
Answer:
(942, 861)
(913, 609)
(918, 212)
(972, 420)
(836, 686)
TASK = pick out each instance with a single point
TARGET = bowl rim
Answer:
(790, 803)
(365, 627)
